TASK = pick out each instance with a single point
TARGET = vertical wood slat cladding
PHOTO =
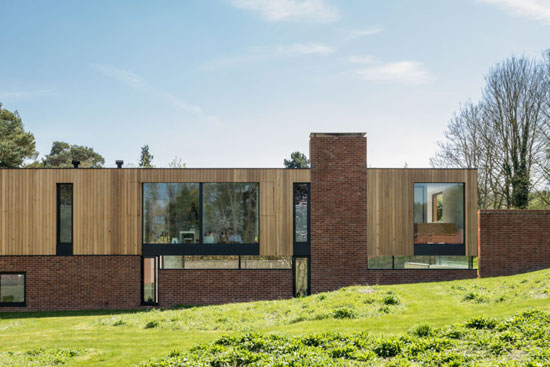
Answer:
(107, 207)
(390, 207)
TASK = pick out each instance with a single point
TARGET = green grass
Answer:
(128, 338)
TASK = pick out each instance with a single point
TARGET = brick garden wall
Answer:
(513, 241)
(338, 210)
(200, 287)
(77, 282)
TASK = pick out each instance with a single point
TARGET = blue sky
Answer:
(242, 83)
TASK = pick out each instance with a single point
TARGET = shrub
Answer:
(151, 324)
(388, 348)
(391, 300)
(422, 331)
(344, 313)
(481, 323)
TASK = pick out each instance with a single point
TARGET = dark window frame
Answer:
(201, 248)
(301, 249)
(64, 248)
(469, 268)
(16, 304)
(451, 249)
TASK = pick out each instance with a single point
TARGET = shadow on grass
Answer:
(44, 314)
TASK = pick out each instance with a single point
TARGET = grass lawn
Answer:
(128, 338)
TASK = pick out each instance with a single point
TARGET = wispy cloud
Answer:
(138, 82)
(534, 9)
(291, 10)
(362, 59)
(264, 53)
(27, 94)
(412, 72)
(358, 33)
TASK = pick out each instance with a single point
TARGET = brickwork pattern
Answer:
(513, 241)
(201, 287)
(77, 282)
(338, 211)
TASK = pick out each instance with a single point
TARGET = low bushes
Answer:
(519, 341)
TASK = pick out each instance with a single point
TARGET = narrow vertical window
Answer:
(64, 219)
(301, 276)
(301, 212)
(150, 280)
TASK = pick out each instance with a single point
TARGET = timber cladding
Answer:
(390, 210)
(107, 207)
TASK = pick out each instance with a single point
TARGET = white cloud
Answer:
(286, 10)
(28, 94)
(534, 9)
(363, 33)
(401, 71)
(304, 49)
(362, 59)
(137, 82)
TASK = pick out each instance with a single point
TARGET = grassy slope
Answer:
(125, 338)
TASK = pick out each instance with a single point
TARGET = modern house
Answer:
(85, 238)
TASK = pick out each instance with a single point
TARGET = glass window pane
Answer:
(266, 262)
(171, 262)
(381, 262)
(301, 277)
(150, 280)
(12, 288)
(211, 262)
(171, 213)
(432, 262)
(65, 202)
(301, 212)
(230, 212)
(439, 213)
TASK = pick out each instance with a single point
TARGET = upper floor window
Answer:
(231, 212)
(171, 213)
(65, 219)
(438, 213)
(194, 213)
(301, 212)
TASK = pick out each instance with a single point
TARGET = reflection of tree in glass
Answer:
(231, 212)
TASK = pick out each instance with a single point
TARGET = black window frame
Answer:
(16, 304)
(165, 249)
(64, 248)
(301, 249)
(442, 249)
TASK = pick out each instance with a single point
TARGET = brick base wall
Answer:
(200, 287)
(403, 276)
(513, 241)
(77, 282)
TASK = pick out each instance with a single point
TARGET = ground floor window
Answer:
(12, 289)
(422, 262)
(150, 281)
(301, 277)
(225, 262)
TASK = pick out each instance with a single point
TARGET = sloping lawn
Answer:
(128, 338)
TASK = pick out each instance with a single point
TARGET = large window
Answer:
(12, 289)
(439, 218)
(225, 262)
(64, 219)
(171, 213)
(230, 212)
(422, 262)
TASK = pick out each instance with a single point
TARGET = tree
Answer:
(297, 160)
(502, 135)
(146, 158)
(62, 154)
(177, 163)
(16, 144)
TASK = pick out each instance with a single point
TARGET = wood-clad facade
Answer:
(390, 207)
(107, 207)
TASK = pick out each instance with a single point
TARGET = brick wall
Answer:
(338, 210)
(77, 282)
(513, 241)
(199, 287)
